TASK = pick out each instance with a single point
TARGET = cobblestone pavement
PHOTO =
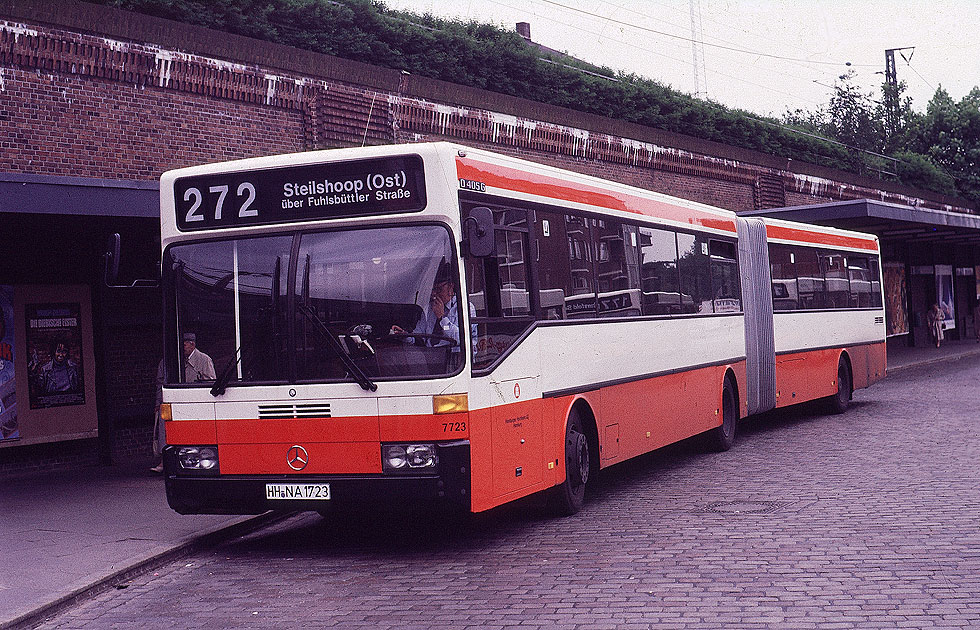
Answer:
(866, 520)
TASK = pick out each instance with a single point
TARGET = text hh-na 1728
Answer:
(430, 321)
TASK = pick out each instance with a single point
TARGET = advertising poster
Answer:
(8, 385)
(54, 350)
(944, 293)
(895, 298)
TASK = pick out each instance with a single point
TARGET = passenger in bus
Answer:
(198, 366)
(442, 316)
(935, 320)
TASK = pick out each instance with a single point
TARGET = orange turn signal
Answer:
(166, 413)
(452, 403)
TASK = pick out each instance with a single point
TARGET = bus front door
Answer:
(516, 418)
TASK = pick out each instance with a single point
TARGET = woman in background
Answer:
(935, 319)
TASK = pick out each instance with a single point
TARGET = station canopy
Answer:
(891, 222)
(78, 196)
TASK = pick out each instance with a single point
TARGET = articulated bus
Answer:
(435, 322)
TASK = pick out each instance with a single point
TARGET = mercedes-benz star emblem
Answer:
(297, 457)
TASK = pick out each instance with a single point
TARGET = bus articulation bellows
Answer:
(434, 322)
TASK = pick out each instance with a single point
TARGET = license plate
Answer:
(293, 491)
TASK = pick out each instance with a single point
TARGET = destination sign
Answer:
(298, 193)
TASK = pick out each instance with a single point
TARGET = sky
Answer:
(764, 56)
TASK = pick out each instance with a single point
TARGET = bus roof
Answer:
(507, 176)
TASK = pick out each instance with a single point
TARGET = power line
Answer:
(803, 64)
(769, 88)
(919, 75)
(690, 40)
(769, 69)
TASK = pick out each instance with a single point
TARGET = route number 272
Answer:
(217, 194)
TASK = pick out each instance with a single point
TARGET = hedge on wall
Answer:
(492, 58)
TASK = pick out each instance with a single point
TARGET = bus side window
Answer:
(726, 286)
(512, 272)
(499, 289)
(785, 289)
(658, 270)
(875, 282)
(859, 277)
(692, 261)
(581, 301)
(812, 286)
(835, 276)
(617, 269)
(553, 264)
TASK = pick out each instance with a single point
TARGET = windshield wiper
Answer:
(221, 384)
(362, 379)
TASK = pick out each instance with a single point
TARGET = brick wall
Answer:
(89, 90)
(133, 444)
(131, 359)
(92, 127)
(44, 457)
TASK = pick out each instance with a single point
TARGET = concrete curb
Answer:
(96, 583)
(939, 359)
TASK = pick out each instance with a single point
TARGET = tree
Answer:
(854, 117)
(949, 134)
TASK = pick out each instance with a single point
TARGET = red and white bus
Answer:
(431, 321)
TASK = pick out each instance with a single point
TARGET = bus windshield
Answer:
(358, 304)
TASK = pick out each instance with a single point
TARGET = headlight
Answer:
(395, 457)
(421, 455)
(198, 457)
(409, 457)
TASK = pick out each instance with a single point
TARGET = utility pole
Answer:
(697, 48)
(891, 87)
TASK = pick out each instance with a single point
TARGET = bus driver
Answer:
(442, 316)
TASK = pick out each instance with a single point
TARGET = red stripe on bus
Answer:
(819, 238)
(804, 376)
(322, 458)
(394, 428)
(430, 427)
(809, 375)
(545, 186)
(191, 432)
(298, 430)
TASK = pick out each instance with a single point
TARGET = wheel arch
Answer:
(589, 423)
(846, 357)
(733, 379)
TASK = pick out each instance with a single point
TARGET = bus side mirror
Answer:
(478, 227)
(112, 260)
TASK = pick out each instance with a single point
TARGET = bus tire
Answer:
(838, 402)
(568, 497)
(722, 437)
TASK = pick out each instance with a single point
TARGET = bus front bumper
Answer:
(190, 493)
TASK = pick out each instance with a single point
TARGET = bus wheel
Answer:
(569, 496)
(838, 403)
(722, 437)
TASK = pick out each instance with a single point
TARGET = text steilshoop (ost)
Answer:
(338, 192)
(313, 191)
